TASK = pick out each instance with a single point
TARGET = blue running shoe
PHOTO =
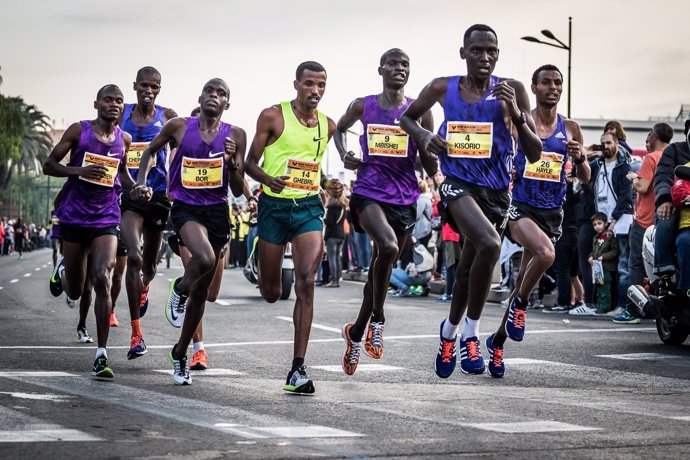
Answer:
(496, 366)
(137, 347)
(626, 318)
(446, 357)
(515, 324)
(471, 360)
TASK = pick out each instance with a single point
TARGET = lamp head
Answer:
(548, 34)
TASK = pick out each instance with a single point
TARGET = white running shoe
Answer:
(582, 310)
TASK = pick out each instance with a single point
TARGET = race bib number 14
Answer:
(303, 175)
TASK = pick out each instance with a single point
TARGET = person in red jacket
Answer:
(680, 193)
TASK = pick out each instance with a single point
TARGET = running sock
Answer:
(136, 330)
(378, 317)
(297, 363)
(450, 330)
(101, 352)
(198, 346)
(470, 328)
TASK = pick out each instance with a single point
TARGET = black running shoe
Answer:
(55, 280)
(298, 382)
(101, 369)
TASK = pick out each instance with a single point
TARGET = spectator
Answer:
(616, 128)
(2, 235)
(604, 250)
(252, 209)
(422, 226)
(334, 235)
(19, 232)
(681, 201)
(414, 279)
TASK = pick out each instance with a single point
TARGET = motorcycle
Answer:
(251, 269)
(671, 312)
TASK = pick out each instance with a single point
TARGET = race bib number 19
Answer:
(468, 139)
(111, 163)
(198, 173)
(548, 168)
(386, 141)
(303, 175)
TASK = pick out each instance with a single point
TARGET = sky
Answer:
(630, 58)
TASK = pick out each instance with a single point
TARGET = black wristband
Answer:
(580, 160)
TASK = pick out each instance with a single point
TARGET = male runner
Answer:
(146, 219)
(209, 158)
(89, 213)
(292, 137)
(484, 116)
(384, 196)
(536, 213)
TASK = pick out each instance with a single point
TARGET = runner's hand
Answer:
(277, 184)
(350, 161)
(506, 94)
(433, 144)
(665, 210)
(334, 187)
(141, 192)
(230, 146)
(94, 172)
(573, 149)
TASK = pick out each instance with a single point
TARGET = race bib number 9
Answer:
(136, 149)
(109, 162)
(548, 168)
(198, 173)
(468, 139)
(387, 141)
(303, 175)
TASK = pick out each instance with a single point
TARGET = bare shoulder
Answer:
(516, 84)
(169, 114)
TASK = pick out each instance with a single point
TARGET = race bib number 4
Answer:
(303, 175)
(111, 163)
(386, 141)
(468, 139)
(136, 149)
(548, 168)
(198, 173)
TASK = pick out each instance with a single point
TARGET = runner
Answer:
(484, 116)
(536, 213)
(209, 158)
(140, 219)
(292, 137)
(383, 201)
(89, 213)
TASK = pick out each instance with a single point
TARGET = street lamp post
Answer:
(559, 44)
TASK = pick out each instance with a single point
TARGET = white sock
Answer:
(198, 346)
(101, 352)
(470, 328)
(450, 330)
(61, 271)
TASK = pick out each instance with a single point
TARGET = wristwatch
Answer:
(522, 120)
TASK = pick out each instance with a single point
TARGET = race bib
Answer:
(136, 149)
(112, 163)
(387, 141)
(467, 139)
(198, 173)
(303, 175)
(548, 168)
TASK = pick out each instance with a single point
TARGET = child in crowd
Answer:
(604, 250)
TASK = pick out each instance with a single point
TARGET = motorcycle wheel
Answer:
(671, 335)
(286, 279)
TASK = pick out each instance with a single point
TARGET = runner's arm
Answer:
(69, 140)
(576, 143)
(123, 171)
(517, 104)
(426, 140)
(237, 164)
(351, 116)
(429, 162)
(166, 135)
(265, 127)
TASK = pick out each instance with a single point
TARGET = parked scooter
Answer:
(251, 269)
(672, 312)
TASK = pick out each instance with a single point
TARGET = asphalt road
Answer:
(574, 388)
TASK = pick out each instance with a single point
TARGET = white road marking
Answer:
(59, 434)
(37, 269)
(538, 426)
(1, 288)
(313, 325)
(11, 374)
(313, 431)
(684, 418)
(40, 397)
(206, 373)
(518, 361)
(640, 356)
(14, 281)
(222, 302)
(27, 274)
(360, 368)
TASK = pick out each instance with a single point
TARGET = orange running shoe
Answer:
(199, 360)
(373, 344)
(113, 321)
(351, 356)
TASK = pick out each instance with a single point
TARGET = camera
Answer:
(598, 147)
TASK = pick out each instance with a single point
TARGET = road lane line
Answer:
(641, 356)
(58, 434)
(222, 302)
(14, 281)
(360, 368)
(537, 426)
(313, 325)
(27, 275)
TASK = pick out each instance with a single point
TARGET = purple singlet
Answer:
(89, 203)
(198, 173)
